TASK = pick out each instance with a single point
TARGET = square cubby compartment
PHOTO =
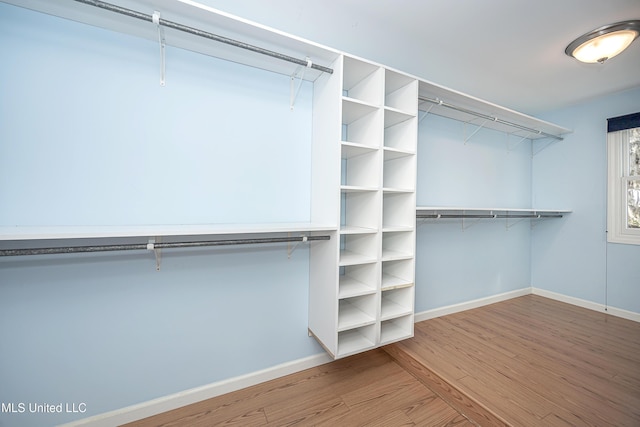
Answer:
(356, 312)
(358, 248)
(361, 169)
(398, 245)
(359, 211)
(361, 124)
(356, 340)
(396, 329)
(398, 211)
(362, 81)
(397, 274)
(400, 92)
(401, 133)
(396, 303)
(357, 280)
(399, 173)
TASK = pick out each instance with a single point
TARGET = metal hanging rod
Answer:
(487, 216)
(155, 246)
(200, 33)
(489, 118)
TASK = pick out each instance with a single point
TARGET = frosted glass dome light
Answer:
(604, 43)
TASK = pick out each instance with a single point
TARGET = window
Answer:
(623, 204)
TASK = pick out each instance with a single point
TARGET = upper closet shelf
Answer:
(204, 19)
(449, 103)
(85, 232)
(429, 212)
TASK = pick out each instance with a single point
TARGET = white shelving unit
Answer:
(376, 134)
(363, 174)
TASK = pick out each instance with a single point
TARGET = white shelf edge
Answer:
(397, 228)
(357, 189)
(115, 231)
(357, 230)
(352, 258)
(350, 287)
(397, 190)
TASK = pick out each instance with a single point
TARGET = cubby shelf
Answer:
(391, 310)
(352, 317)
(378, 139)
(355, 341)
(354, 258)
(390, 282)
(350, 287)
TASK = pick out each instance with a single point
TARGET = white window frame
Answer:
(617, 161)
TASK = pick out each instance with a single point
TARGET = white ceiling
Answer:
(509, 52)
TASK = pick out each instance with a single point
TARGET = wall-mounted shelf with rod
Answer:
(206, 21)
(26, 241)
(445, 102)
(19, 233)
(423, 212)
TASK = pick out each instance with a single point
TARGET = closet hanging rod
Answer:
(200, 33)
(487, 216)
(490, 118)
(153, 246)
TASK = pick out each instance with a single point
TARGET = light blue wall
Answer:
(458, 262)
(88, 136)
(572, 257)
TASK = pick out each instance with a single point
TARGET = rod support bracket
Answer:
(293, 91)
(156, 20)
(290, 250)
(151, 246)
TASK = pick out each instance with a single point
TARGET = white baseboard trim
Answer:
(468, 305)
(618, 312)
(197, 394)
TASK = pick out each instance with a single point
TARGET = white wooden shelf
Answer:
(351, 317)
(397, 190)
(356, 230)
(470, 107)
(392, 255)
(354, 109)
(443, 212)
(204, 18)
(396, 228)
(391, 310)
(353, 258)
(395, 153)
(390, 282)
(350, 287)
(396, 329)
(114, 231)
(353, 341)
(353, 149)
(356, 189)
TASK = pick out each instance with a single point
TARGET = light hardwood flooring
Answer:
(531, 361)
(369, 389)
(528, 361)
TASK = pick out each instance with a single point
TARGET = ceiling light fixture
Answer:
(604, 43)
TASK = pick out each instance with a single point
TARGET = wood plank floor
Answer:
(528, 361)
(369, 389)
